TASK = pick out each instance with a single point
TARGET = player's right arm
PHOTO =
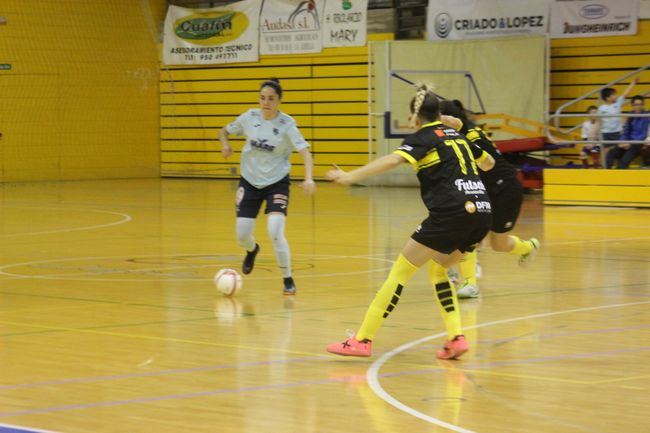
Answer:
(236, 127)
(226, 150)
(379, 165)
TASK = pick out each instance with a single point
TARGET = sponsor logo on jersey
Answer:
(481, 206)
(470, 187)
(262, 144)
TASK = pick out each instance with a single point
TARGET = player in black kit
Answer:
(459, 217)
(506, 196)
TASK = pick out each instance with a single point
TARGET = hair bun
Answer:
(458, 104)
(275, 80)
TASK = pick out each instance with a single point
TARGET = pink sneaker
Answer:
(453, 348)
(351, 347)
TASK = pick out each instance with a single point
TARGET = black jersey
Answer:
(445, 161)
(503, 172)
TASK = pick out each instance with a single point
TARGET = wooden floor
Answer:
(109, 320)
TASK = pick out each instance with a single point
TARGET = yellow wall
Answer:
(580, 65)
(81, 98)
(327, 94)
(630, 188)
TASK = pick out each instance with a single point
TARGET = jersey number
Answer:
(456, 145)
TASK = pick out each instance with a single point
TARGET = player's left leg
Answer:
(277, 203)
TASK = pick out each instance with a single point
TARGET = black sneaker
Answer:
(289, 286)
(249, 260)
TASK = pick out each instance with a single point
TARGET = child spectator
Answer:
(611, 126)
(590, 127)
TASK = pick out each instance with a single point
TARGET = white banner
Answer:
(291, 26)
(476, 19)
(344, 24)
(225, 34)
(584, 18)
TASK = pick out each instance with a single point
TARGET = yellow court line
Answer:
(619, 379)
(40, 310)
(151, 337)
(637, 388)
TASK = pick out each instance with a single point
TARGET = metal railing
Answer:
(555, 118)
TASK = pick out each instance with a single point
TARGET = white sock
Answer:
(245, 237)
(280, 244)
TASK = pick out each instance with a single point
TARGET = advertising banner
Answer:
(225, 34)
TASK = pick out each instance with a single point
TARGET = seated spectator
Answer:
(611, 125)
(645, 152)
(636, 129)
(590, 152)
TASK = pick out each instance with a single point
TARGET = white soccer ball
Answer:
(228, 281)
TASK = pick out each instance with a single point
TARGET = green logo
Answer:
(347, 4)
(204, 27)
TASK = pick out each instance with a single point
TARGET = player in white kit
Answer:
(271, 136)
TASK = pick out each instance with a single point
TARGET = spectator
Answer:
(611, 126)
(645, 152)
(590, 127)
(636, 129)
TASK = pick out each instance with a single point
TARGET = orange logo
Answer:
(470, 207)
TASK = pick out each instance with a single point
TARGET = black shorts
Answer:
(447, 233)
(249, 199)
(506, 205)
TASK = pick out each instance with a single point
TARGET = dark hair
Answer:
(429, 108)
(637, 98)
(591, 107)
(606, 93)
(455, 108)
(274, 84)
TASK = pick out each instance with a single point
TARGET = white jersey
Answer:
(611, 124)
(269, 143)
(589, 130)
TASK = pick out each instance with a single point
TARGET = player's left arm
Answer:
(483, 159)
(452, 121)
(308, 185)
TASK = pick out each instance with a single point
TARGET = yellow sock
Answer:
(446, 299)
(386, 298)
(521, 247)
(468, 268)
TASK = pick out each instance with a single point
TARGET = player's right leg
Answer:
(413, 256)
(248, 201)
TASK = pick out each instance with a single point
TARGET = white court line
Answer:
(25, 429)
(372, 375)
(125, 218)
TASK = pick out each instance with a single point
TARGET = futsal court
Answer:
(117, 210)
(109, 319)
